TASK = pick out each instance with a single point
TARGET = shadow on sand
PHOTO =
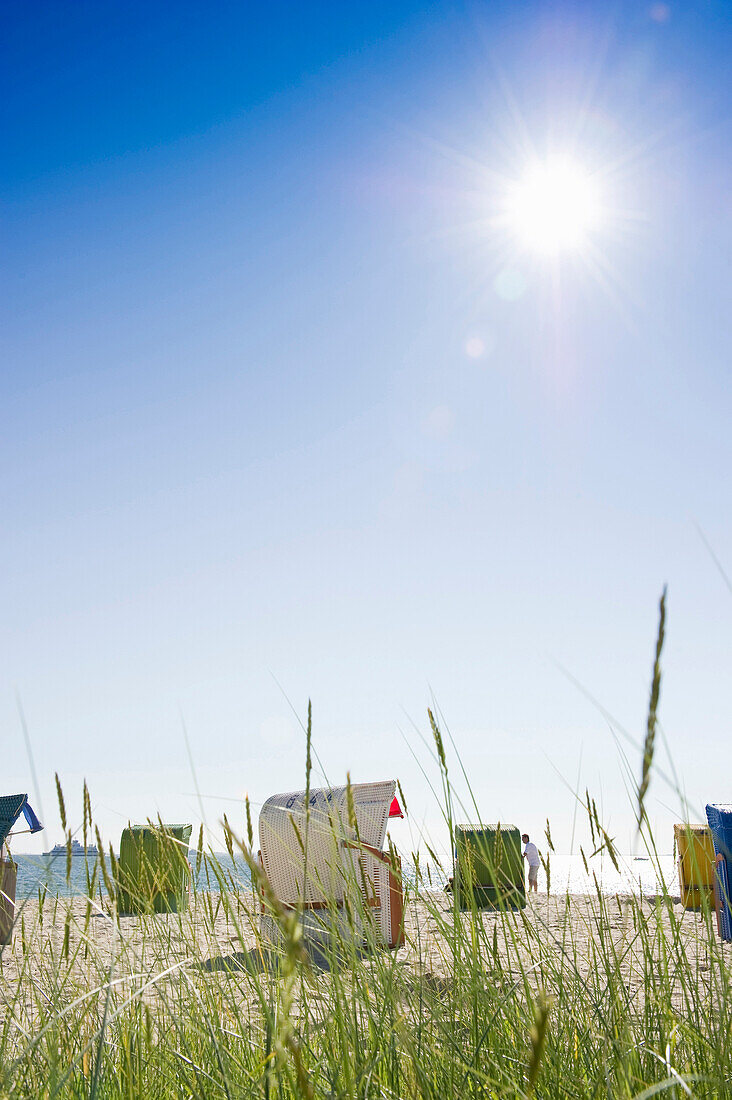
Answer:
(260, 960)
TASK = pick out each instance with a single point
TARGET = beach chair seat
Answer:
(8, 880)
(152, 873)
(334, 871)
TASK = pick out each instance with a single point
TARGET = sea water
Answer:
(567, 874)
(49, 873)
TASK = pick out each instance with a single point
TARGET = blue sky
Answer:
(286, 414)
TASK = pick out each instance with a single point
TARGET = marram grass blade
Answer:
(650, 739)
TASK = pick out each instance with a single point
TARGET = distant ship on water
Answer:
(76, 849)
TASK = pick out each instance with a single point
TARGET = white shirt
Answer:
(532, 854)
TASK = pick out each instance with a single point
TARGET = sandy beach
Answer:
(80, 946)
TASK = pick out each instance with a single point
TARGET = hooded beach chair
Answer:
(153, 873)
(12, 806)
(719, 816)
(489, 867)
(695, 864)
(333, 867)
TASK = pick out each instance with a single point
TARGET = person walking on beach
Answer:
(531, 853)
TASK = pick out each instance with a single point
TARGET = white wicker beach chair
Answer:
(319, 864)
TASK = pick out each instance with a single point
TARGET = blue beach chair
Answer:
(11, 808)
(719, 817)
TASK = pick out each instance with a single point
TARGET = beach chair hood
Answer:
(283, 816)
(11, 808)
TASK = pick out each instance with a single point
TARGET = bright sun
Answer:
(554, 207)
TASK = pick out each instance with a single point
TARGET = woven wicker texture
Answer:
(287, 835)
(11, 807)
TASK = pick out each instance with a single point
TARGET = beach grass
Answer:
(573, 996)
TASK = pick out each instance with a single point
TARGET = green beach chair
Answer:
(153, 874)
(489, 868)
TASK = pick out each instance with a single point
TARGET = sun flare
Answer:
(554, 207)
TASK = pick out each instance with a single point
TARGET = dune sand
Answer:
(71, 944)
